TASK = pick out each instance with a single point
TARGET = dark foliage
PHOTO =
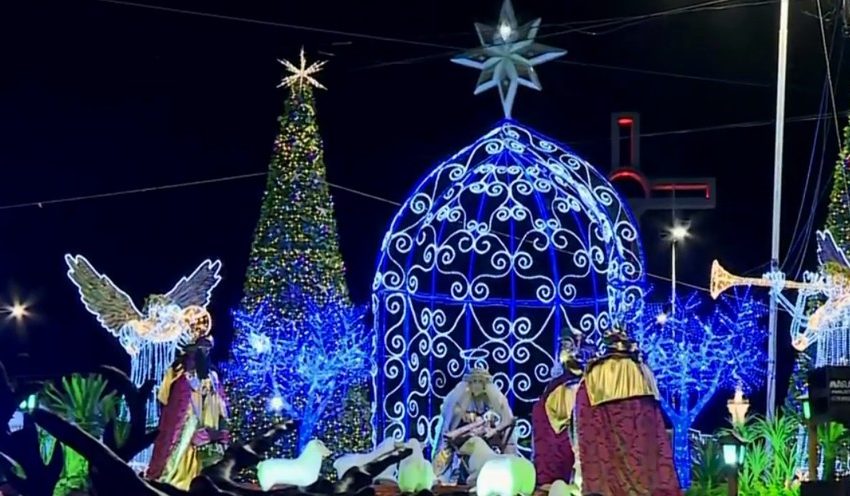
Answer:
(138, 437)
(20, 451)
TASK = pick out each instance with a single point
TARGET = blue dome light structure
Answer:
(499, 249)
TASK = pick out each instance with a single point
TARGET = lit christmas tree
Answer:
(296, 271)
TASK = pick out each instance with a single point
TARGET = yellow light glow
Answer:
(18, 311)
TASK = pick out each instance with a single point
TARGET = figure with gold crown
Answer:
(552, 419)
(623, 443)
(191, 425)
(475, 407)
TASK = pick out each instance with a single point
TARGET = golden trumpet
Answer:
(721, 280)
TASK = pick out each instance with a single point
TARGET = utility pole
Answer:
(777, 200)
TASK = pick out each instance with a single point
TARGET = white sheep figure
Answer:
(561, 488)
(506, 475)
(479, 453)
(345, 462)
(301, 471)
(415, 473)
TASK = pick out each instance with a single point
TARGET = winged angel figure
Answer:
(832, 282)
(152, 336)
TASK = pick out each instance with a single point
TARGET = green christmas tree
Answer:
(295, 274)
(838, 223)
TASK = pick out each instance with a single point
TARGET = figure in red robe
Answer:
(193, 407)
(552, 420)
(623, 445)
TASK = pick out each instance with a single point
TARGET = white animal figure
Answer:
(415, 473)
(301, 471)
(561, 488)
(506, 475)
(479, 453)
(345, 462)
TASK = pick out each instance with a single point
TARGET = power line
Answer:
(664, 73)
(738, 125)
(136, 191)
(249, 20)
(202, 182)
(452, 49)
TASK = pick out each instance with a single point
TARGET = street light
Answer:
(734, 449)
(678, 232)
(18, 310)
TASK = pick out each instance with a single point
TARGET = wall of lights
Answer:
(497, 249)
(704, 348)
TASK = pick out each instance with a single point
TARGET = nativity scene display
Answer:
(511, 345)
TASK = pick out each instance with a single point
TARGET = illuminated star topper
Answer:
(300, 76)
(507, 56)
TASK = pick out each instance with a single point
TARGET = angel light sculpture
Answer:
(829, 325)
(152, 336)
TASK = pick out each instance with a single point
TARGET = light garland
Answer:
(499, 248)
(699, 351)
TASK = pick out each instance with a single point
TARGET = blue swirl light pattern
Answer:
(499, 248)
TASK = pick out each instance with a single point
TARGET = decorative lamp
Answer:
(734, 449)
(807, 406)
(738, 407)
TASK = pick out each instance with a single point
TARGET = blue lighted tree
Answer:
(302, 367)
(702, 349)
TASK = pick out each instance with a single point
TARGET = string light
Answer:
(295, 246)
(449, 280)
(701, 350)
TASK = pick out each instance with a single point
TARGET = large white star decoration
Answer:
(507, 56)
(301, 75)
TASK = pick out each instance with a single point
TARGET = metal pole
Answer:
(732, 481)
(812, 451)
(673, 282)
(777, 199)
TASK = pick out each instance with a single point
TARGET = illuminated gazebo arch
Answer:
(499, 248)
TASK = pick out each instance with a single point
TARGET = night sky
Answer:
(100, 97)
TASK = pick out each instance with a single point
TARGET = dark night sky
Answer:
(97, 97)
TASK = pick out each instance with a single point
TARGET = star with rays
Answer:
(300, 76)
(507, 56)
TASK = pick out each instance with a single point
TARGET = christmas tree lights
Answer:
(699, 351)
(295, 246)
(301, 367)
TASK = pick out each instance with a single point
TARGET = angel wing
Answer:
(196, 289)
(828, 250)
(112, 307)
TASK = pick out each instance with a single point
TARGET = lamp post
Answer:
(734, 450)
(738, 407)
(677, 233)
